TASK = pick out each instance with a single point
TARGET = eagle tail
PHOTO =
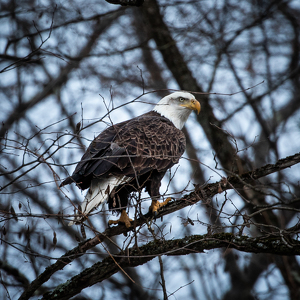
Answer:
(97, 194)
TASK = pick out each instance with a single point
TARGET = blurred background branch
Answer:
(66, 67)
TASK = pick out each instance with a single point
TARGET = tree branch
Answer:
(203, 193)
(21, 109)
(126, 2)
(192, 244)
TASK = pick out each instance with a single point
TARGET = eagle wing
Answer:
(131, 148)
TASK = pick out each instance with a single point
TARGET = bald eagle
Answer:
(133, 155)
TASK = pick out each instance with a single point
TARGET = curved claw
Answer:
(123, 219)
(156, 205)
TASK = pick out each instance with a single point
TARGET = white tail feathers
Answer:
(97, 194)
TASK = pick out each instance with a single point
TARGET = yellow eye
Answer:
(181, 99)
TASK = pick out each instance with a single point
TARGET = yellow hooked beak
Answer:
(193, 104)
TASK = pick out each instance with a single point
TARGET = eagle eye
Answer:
(181, 99)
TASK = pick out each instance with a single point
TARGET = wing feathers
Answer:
(133, 147)
(97, 194)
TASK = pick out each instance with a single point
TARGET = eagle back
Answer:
(137, 146)
(150, 142)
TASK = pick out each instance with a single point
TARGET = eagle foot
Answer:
(156, 205)
(123, 219)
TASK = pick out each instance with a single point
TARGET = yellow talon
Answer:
(156, 205)
(123, 219)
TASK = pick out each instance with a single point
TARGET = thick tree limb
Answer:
(184, 77)
(192, 244)
(209, 191)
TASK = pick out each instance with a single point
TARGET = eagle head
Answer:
(177, 107)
